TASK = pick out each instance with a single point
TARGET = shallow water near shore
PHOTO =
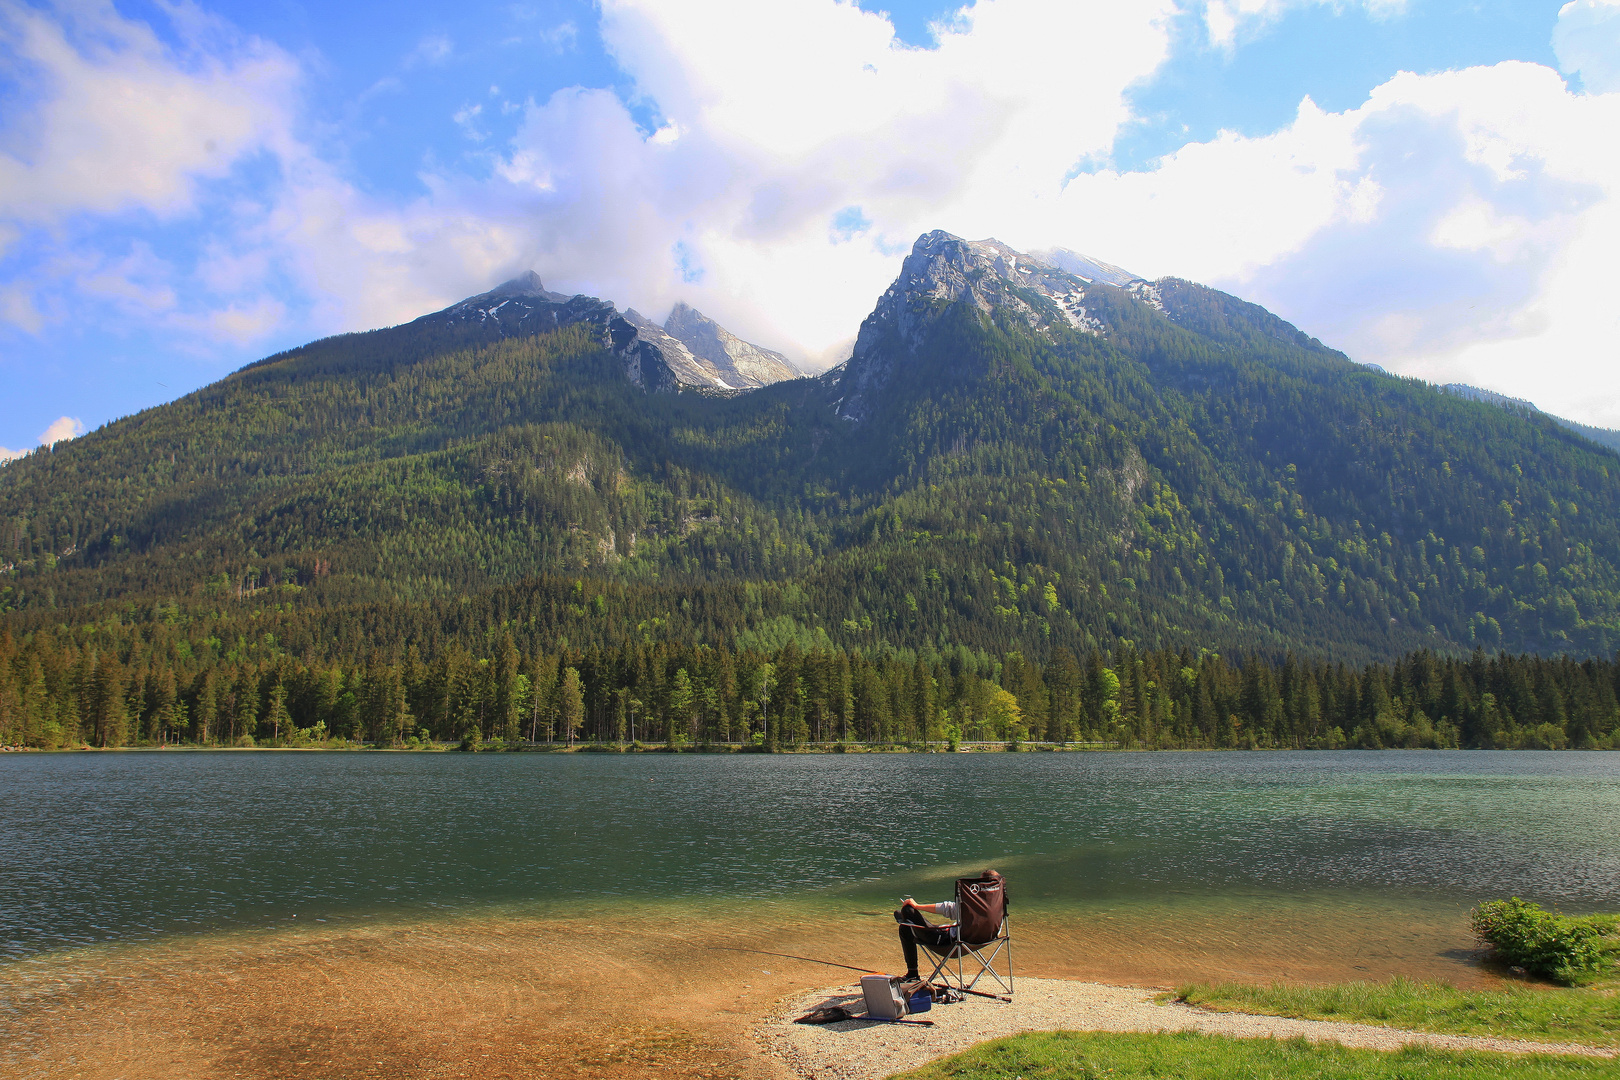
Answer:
(401, 915)
(98, 848)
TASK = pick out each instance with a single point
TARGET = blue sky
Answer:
(1432, 186)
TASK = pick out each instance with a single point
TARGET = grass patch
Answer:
(1069, 1055)
(1590, 1016)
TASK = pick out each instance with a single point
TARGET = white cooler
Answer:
(882, 997)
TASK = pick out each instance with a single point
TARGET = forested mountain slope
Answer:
(1016, 457)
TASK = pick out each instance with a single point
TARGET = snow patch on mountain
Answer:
(1085, 267)
(987, 274)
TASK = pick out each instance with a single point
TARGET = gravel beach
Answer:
(857, 1050)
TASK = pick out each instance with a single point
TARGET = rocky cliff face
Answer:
(941, 270)
(740, 363)
(654, 358)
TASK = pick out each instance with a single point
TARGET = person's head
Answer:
(990, 875)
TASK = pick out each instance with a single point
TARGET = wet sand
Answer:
(633, 992)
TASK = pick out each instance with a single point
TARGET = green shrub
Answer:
(1557, 947)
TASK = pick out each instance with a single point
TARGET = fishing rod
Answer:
(790, 956)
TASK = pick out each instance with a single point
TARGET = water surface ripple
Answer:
(107, 847)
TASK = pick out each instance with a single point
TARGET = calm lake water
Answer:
(116, 847)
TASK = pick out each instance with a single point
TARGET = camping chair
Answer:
(981, 922)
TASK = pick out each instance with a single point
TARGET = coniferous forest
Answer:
(1199, 529)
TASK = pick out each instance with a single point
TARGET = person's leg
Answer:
(910, 921)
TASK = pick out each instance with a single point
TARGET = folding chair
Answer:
(981, 922)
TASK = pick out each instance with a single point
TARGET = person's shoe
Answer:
(912, 975)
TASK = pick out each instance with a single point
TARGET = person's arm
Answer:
(932, 909)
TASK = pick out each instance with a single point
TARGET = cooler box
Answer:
(882, 997)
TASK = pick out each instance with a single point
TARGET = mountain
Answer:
(1015, 457)
(691, 350)
(1601, 436)
(738, 362)
(1085, 267)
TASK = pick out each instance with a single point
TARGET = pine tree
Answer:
(680, 708)
(109, 714)
(570, 704)
(276, 717)
(507, 718)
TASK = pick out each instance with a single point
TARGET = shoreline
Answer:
(552, 998)
(814, 749)
(616, 992)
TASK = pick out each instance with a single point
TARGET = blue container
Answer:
(921, 1001)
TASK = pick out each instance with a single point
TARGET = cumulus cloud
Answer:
(123, 122)
(113, 124)
(1587, 40)
(762, 147)
(62, 429)
(1451, 227)
(746, 168)
(1455, 225)
(8, 454)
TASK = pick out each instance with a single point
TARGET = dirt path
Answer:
(869, 1051)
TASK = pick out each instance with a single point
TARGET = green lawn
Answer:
(1069, 1055)
(1590, 1016)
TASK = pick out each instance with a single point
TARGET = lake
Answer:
(1140, 855)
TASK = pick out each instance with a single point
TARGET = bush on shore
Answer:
(1565, 949)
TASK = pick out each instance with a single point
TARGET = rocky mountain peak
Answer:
(944, 269)
(525, 284)
(653, 358)
(740, 362)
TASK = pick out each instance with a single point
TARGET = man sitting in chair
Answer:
(916, 930)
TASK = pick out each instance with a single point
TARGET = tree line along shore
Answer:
(73, 690)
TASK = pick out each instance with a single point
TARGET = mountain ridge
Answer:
(654, 358)
(1602, 436)
(1013, 459)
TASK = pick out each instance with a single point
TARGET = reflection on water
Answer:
(1110, 855)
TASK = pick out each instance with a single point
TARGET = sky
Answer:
(1429, 185)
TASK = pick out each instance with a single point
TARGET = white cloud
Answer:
(8, 454)
(762, 145)
(17, 307)
(1228, 21)
(1587, 40)
(465, 118)
(562, 37)
(1452, 227)
(112, 124)
(758, 148)
(433, 50)
(138, 283)
(61, 429)
(120, 121)
(1455, 225)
